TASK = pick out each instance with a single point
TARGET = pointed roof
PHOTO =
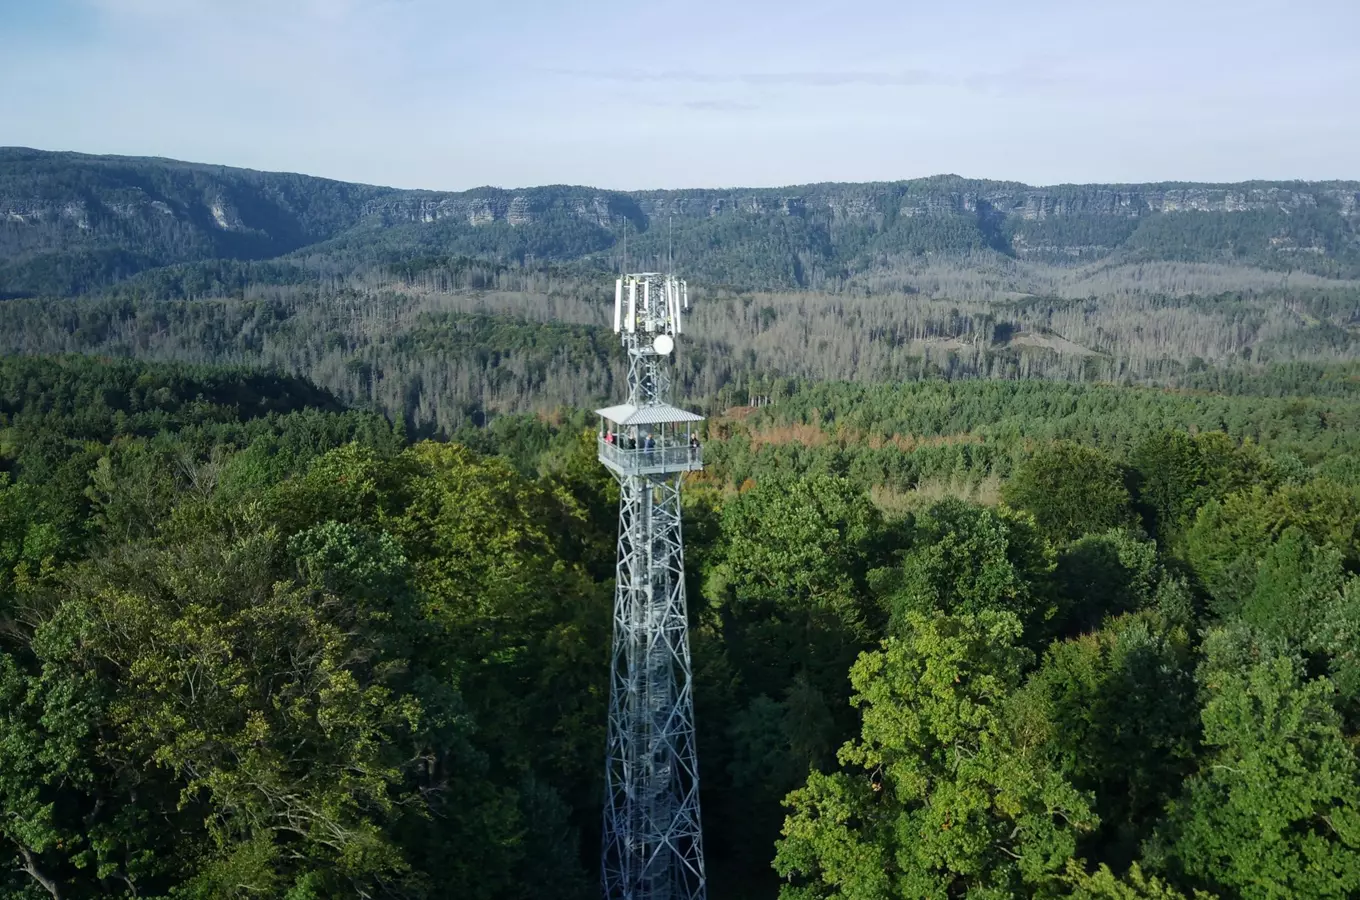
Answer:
(661, 413)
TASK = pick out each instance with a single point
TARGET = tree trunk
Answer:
(32, 869)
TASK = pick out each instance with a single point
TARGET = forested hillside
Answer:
(438, 359)
(256, 644)
(442, 309)
(73, 223)
(1024, 563)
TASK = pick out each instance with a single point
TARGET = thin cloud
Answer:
(702, 104)
(1020, 77)
(326, 10)
(719, 105)
(908, 77)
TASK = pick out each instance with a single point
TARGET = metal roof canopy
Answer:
(662, 413)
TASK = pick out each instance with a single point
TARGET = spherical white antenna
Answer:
(663, 344)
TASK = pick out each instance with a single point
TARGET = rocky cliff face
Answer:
(856, 203)
(164, 211)
(482, 207)
(1132, 201)
(119, 206)
(30, 194)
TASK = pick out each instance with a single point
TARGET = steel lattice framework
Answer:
(653, 848)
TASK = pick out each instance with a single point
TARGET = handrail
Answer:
(682, 456)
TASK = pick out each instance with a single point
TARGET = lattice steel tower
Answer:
(653, 849)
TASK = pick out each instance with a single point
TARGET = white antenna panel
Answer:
(618, 304)
(632, 306)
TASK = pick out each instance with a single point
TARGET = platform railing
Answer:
(679, 458)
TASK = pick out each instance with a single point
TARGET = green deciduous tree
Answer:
(1121, 719)
(1231, 536)
(212, 692)
(1178, 473)
(1274, 810)
(1338, 636)
(1070, 490)
(225, 707)
(790, 609)
(966, 559)
(1103, 884)
(523, 623)
(1297, 584)
(940, 795)
(791, 583)
(1105, 574)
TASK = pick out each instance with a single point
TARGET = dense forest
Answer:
(440, 309)
(1024, 564)
(444, 309)
(439, 359)
(257, 643)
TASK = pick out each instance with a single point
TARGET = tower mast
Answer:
(653, 847)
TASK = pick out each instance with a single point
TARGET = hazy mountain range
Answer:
(72, 223)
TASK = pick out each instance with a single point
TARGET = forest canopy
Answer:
(255, 643)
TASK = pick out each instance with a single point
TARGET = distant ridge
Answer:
(71, 223)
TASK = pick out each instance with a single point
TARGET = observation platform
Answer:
(625, 431)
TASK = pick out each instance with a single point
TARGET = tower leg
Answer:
(653, 847)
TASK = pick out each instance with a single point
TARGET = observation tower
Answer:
(653, 847)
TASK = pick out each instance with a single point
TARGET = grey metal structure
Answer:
(653, 846)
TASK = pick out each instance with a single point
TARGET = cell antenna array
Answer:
(653, 846)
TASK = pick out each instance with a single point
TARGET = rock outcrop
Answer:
(162, 212)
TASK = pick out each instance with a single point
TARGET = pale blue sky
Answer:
(454, 94)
